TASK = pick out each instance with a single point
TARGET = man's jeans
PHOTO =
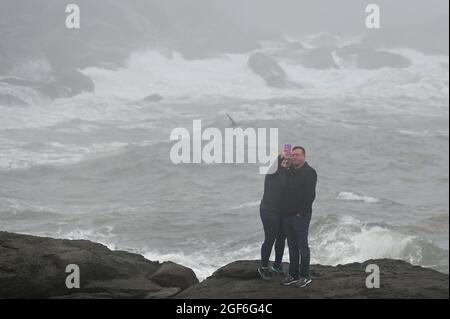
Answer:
(273, 230)
(297, 227)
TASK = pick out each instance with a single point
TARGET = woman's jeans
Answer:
(273, 233)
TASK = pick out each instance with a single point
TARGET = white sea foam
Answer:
(151, 72)
(346, 239)
(354, 197)
(22, 155)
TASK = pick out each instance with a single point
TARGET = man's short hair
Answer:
(299, 148)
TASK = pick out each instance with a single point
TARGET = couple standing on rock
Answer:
(285, 211)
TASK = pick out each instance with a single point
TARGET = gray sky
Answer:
(110, 28)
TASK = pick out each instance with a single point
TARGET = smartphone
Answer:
(288, 149)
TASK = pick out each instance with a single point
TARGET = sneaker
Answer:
(278, 269)
(289, 280)
(265, 273)
(303, 282)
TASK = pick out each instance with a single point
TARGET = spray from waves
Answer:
(32, 72)
(103, 235)
(354, 197)
(202, 267)
(23, 155)
(19, 96)
(334, 240)
(151, 72)
(344, 239)
(206, 262)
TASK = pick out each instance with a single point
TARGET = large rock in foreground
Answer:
(35, 267)
(398, 279)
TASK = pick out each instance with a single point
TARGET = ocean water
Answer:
(97, 166)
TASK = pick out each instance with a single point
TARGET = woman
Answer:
(271, 212)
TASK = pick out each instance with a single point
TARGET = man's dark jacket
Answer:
(300, 190)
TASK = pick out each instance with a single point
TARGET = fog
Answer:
(112, 28)
(87, 114)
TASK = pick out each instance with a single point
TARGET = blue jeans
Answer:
(297, 227)
(273, 234)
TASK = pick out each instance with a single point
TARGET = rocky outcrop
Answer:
(269, 70)
(318, 58)
(323, 39)
(64, 83)
(152, 98)
(429, 35)
(359, 56)
(350, 56)
(70, 82)
(363, 57)
(35, 267)
(398, 279)
(8, 99)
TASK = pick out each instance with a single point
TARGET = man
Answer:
(299, 196)
(271, 212)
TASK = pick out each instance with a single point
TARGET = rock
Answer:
(319, 58)
(11, 100)
(35, 267)
(68, 83)
(294, 46)
(354, 56)
(136, 286)
(75, 81)
(152, 98)
(323, 39)
(17, 82)
(163, 293)
(235, 270)
(398, 279)
(269, 70)
(429, 35)
(366, 58)
(65, 83)
(174, 275)
(91, 296)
